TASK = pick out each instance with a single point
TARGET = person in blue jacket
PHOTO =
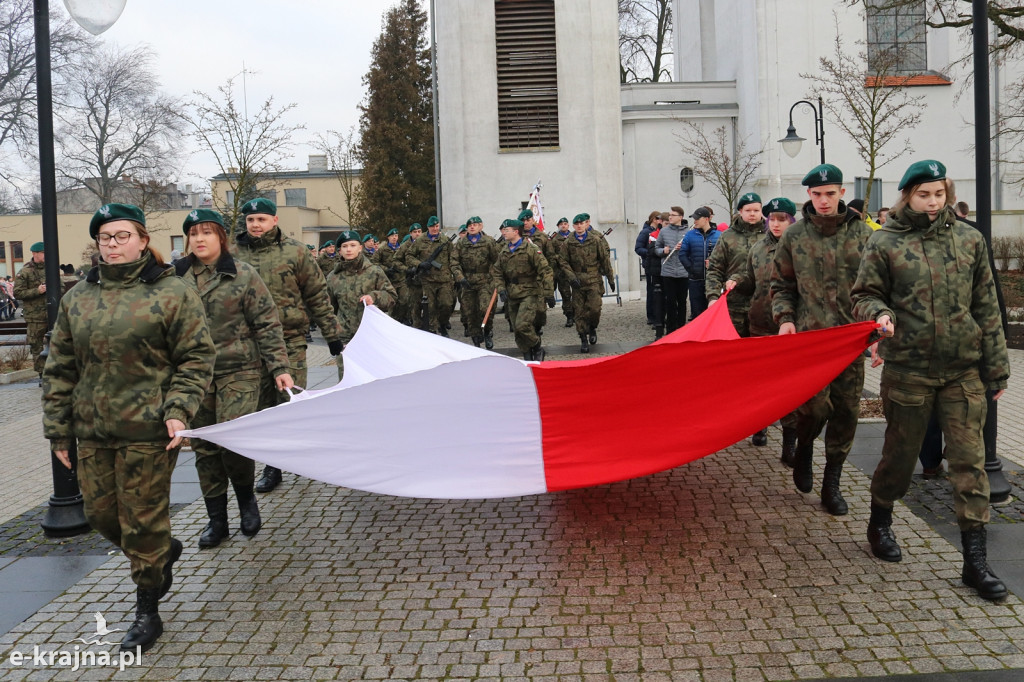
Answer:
(694, 254)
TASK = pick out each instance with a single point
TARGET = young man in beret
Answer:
(563, 283)
(385, 258)
(472, 259)
(550, 250)
(816, 264)
(523, 278)
(413, 303)
(296, 284)
(428, 260)
(588, 257)
(328, 258)
(730, 257)
(30, 289)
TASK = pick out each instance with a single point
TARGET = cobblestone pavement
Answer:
(717, 570)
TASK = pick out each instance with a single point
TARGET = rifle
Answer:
(490, 307)
(432, 258)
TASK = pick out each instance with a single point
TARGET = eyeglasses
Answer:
(120, 237)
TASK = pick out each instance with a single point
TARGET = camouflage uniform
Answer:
(413, 288)
(386, 258)
(130, 350)
(935, 282)
(247, 333)
(437, 283)
(33, 306)
(554, 257)
(296, 285)
(562, 281)
(727, 258)
(347, 283)
(472, 262)
(816, 263)
(525, 275)
(327, 262)
(589, 260)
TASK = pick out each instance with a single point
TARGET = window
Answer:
(686, 180)
(527, 73)
(230, 198)
(16, 252)
(295, 197)
(896, 37)
(269, 194)
(178, 243)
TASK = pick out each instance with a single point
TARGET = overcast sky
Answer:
(310, 52)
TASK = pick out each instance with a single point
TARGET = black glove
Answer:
(410, 272)
(335, 347)
(503, 296)
(611, 285)
(423, 267)
(464, 283)
(550, 301)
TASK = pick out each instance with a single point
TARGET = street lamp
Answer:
(792, 142)
(65, 515)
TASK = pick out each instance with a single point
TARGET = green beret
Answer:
(580, 218)
(108, 213)
(348, 236)
(748, 198)
(201, 215)
(462, 228)
(414, 227)
(405, 239)
(525, 214)
(923, 171)
(825, 174)
(509, 222)
(474, 219)
(562, 220)
(431, 221)
(393, 230)
(36, 248)
(367, 238)
(259, 205)
(310, 247)
(329, 242)
(780, 205)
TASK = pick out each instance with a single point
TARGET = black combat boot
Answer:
(528, 355)
(788, 446)
(977, 573)
(489, 341)
(593, 336)
(538, 353)
(465, 330)
(584, 344)
(147, 626)
(803, 467)
(880, 536)
(477, 340)
(659, 331)
(831, 498)
(217, 529)
(270, 479)
(249, 512)
(176, 548)
(442, 331)
(569, 322)
(760, 438)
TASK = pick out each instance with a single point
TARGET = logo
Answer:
(775, 203)
(105, 211)
(824, 175)
(749, 197)
(934, 168)
(193, 216)
(78, 657)
(254, 205)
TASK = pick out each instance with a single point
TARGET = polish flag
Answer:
(534, 205)
(420, 415)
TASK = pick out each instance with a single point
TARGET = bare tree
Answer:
(873, 107)
(247, 148)
(118, 135)
(342, 151)
(727, 167)
(645, 35)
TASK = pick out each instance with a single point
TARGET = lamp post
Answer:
(792, 142)
(65, 515)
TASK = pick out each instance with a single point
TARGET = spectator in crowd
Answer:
(642, 249)
(944, 350)
(694, 254)
(857, 206)
(674, 283)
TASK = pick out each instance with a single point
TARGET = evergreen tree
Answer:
(396, 126)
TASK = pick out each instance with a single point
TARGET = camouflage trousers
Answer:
(960, 404)
(269, 395)
(740, 317)
(400, 311)
(524, 314)
(565, 290)
(127, 496)
(229, 397)
(587, 304)
(838, 406)
(413, 304)
(440, 303)
(35, 334)
(475, 299)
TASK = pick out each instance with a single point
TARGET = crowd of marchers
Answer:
(143, 349)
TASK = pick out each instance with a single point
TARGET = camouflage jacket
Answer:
(387, 259)
(327, 262)
(523, 272)
(816, 264)
(589, 259)
(421, 249)
(935, 281)
(729, 257)
(473, 261)
(26, 290)
(755, 281)
(294, 280)
(241, 315)
(348, 282)
(131, 349)
(553, 251)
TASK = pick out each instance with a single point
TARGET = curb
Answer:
(16, 376)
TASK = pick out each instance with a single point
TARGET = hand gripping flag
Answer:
(528, 428)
